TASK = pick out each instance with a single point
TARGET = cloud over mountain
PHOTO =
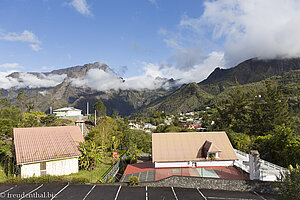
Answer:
(29, 80)
(245, 29)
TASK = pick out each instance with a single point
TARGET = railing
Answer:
(264, 162)
(241, 153)
(109, 175)
(268, 171)
(271, 165)
(244, 167)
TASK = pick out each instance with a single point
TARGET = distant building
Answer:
(47, 150)
(192, 149)
(68, 112)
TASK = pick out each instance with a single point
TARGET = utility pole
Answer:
(95, 118)
(87, 109)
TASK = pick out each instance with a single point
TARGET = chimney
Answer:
(254, 165)
(80, 124)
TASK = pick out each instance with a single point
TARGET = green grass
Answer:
(91, 176)
(83, 176)
(3, 177)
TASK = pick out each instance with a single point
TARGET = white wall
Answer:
(215, 163)
(172, 164)
(74, 113)
(30, 170)
(55, 167)
(189, 164)
(67, 113)
(62, 167)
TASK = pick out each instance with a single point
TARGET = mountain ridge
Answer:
(136, 102)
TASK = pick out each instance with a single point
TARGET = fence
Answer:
(268, 171)
(109, 175)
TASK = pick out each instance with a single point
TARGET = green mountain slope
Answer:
(191, 96)
(186, 98)
(249, 71)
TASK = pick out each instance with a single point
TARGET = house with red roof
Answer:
(47, 150)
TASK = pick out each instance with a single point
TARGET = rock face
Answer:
(249, 71)
(173, 99)
(66, 94)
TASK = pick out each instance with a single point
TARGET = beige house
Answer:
(192, 149)
(47, 150)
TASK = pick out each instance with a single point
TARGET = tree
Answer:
(22, 102)
(31, 107)
(32, 119)
(240, 141)
(102, 134)
(268, 109)
(234, 114)
(285, 146)
(281, 146)
(100, 108)
(48, 120)
(290, 187)
(91, 155)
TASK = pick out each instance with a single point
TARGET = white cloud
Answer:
(26, 36)
(155, 76)
(81, 6)
(11, 66)
(98, 79)
(35, 47)
(254, 28)
(162, 31)
(195, 73)
(6, 82)
(154, 3)
(27, 80)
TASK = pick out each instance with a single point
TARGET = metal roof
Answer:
(170, 147)
(66, 109)
(46, 143)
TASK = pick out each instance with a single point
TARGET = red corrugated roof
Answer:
(45, 143)
(139, 167)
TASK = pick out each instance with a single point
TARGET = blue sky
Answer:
(120, 33)
(181, 39)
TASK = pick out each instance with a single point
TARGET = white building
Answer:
(68, 112)
(192, 149)
(47, 150)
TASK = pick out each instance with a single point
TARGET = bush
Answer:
(290, 188)
(134, 180)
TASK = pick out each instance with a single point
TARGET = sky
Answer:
(141, 39)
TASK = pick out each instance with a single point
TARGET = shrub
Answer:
(134, 180)
(290, 188)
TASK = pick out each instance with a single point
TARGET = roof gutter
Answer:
(47, 160)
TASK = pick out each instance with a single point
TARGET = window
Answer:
(212, 155)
